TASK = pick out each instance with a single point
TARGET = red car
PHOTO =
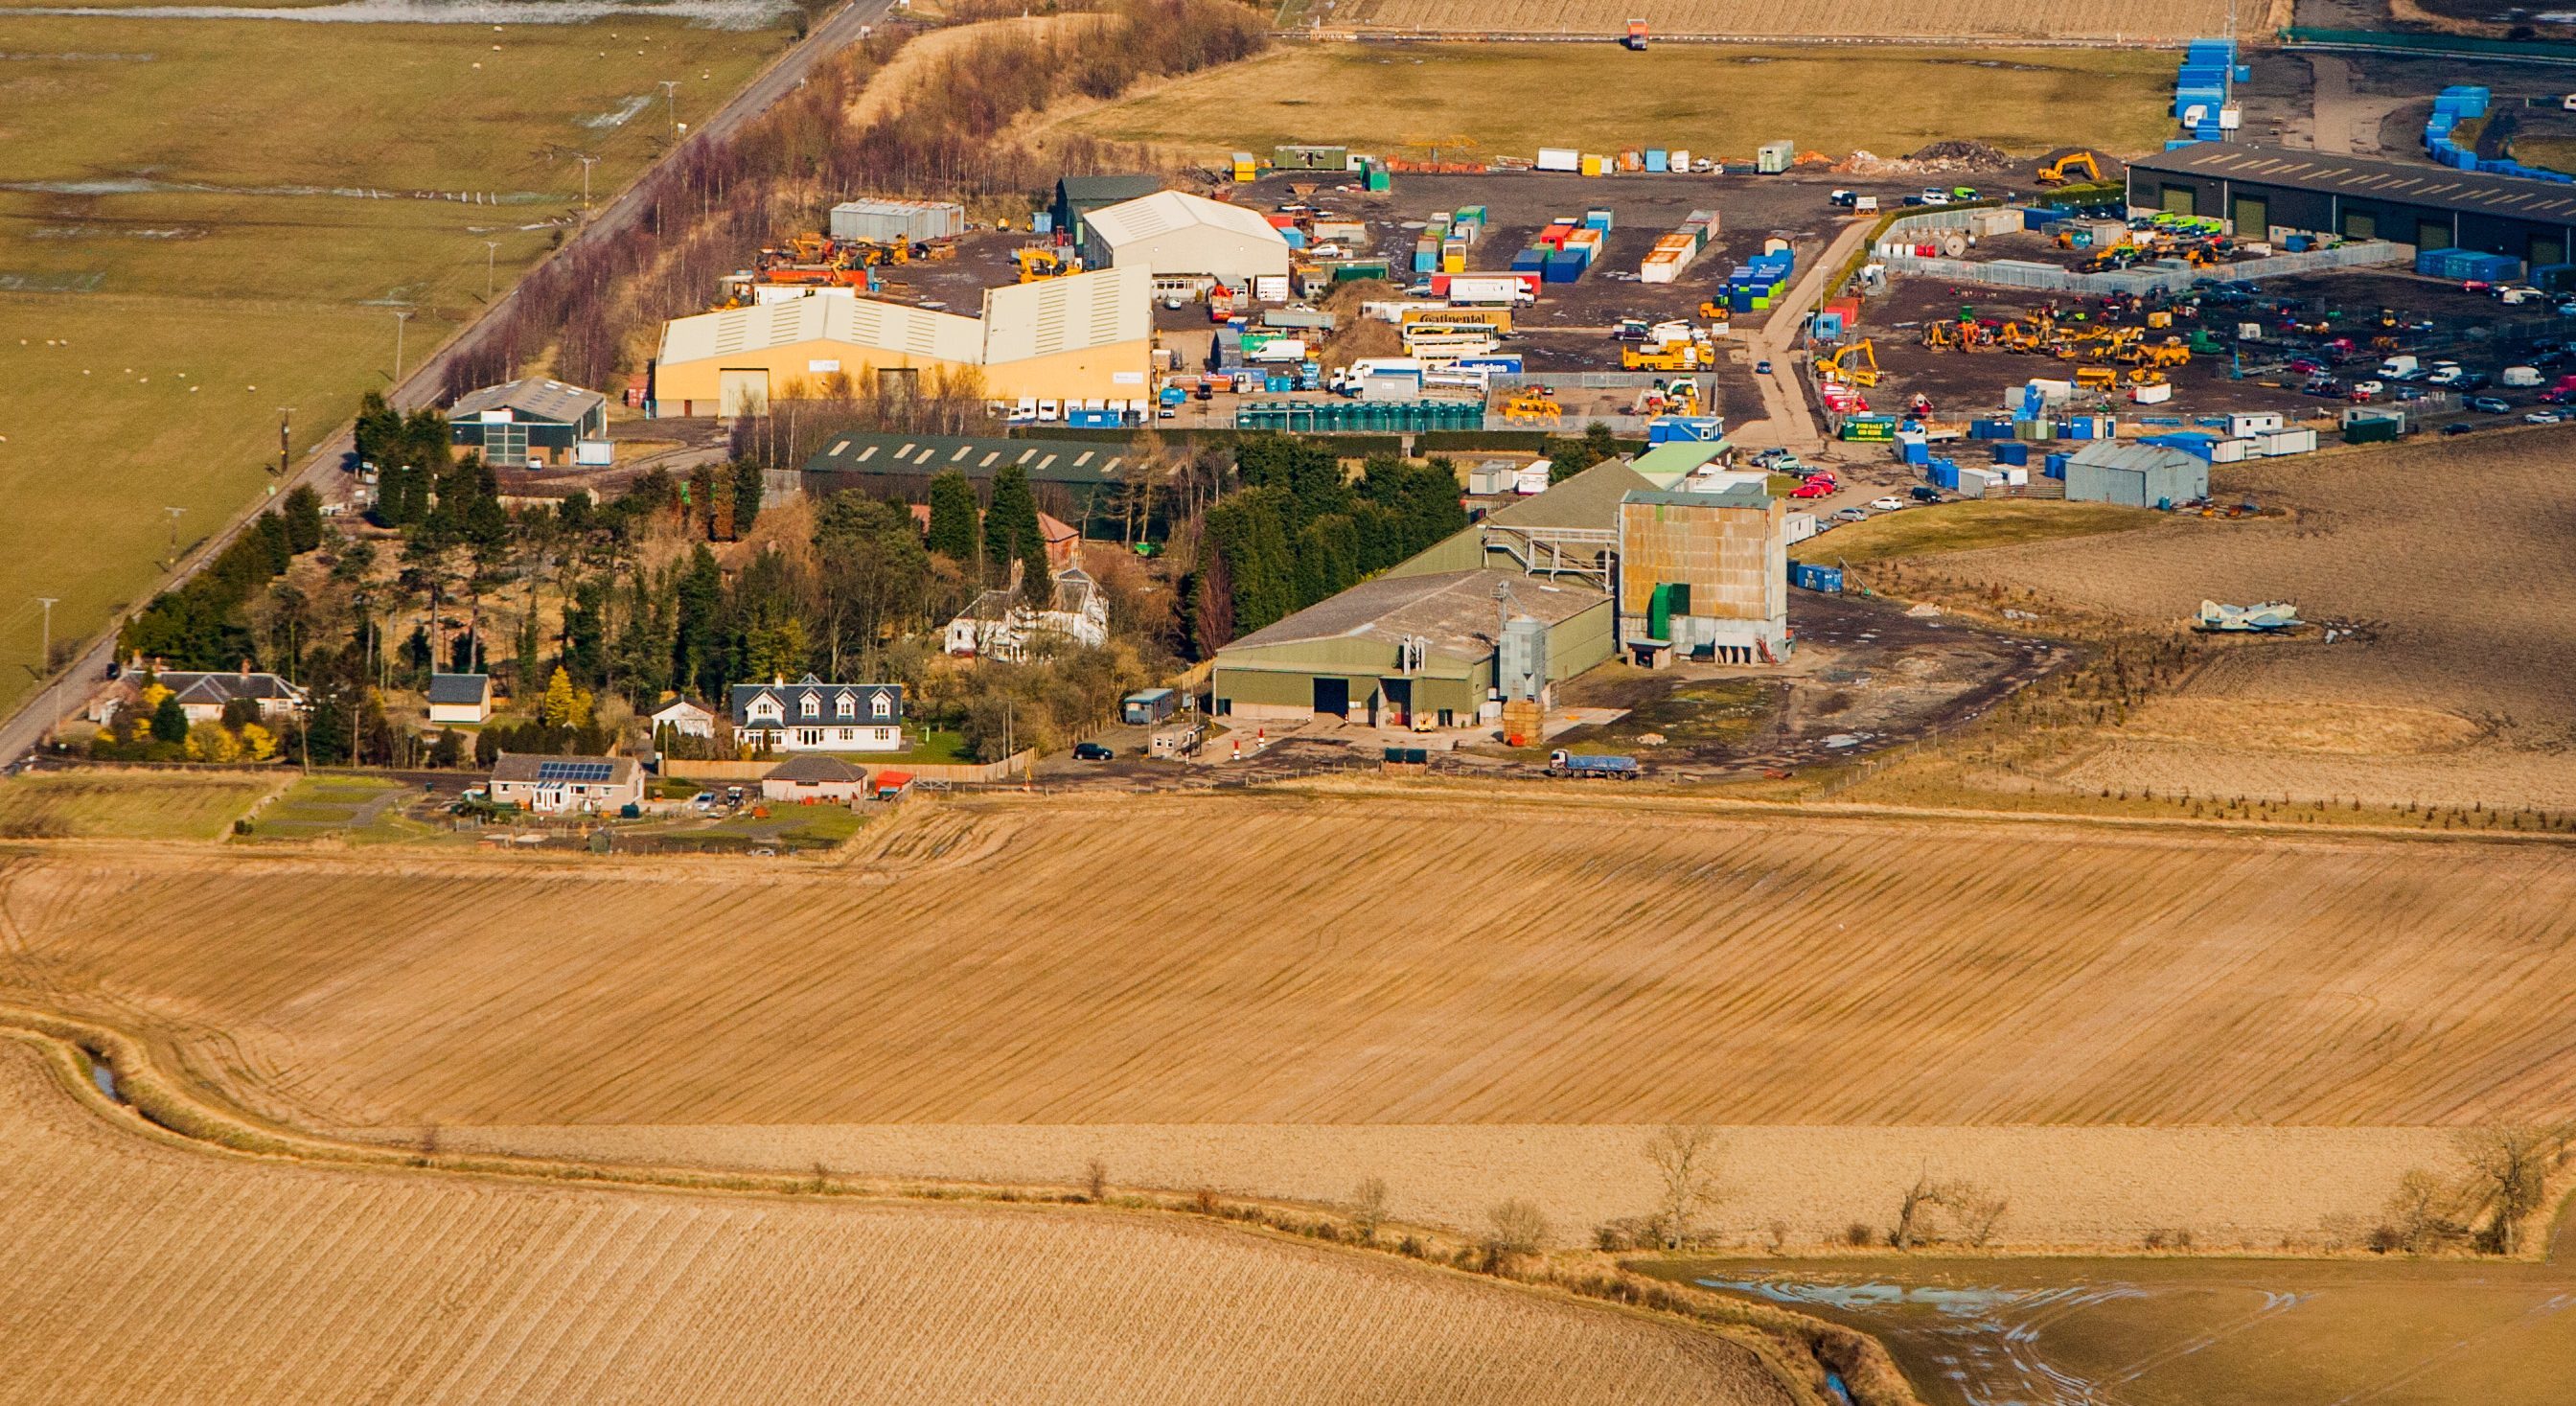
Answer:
(1814, 488)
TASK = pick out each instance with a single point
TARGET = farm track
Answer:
(1347, 958)
(139, 1262)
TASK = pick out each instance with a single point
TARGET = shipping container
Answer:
(1772, 158)
(1592, 165)
(1809, 577)
(1559, 158)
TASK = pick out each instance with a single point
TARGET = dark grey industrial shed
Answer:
(2431, 207)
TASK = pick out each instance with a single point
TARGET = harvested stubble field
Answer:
(2161, 21)
(1404, 963)
(142, 1271)
(2460, 689)
(1512, 99)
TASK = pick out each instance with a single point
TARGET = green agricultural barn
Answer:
(1399, 646)
(1070, 475)
(1078, 196)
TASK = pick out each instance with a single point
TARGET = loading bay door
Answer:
(1333, 696)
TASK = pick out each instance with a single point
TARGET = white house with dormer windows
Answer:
(1002, 625)
(810, 715)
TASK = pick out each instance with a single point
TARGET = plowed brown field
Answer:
(2148, 22)
(1349, 959)
(142, 1272)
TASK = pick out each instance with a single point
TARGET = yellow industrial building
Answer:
(1083, 338)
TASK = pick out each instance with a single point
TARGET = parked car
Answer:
(1851, 515)
(1926, 493)
(1936, 197)
(2489, 405)
(1886, 505)
(2457, 427)
(1762, 368)
(2365, 391)
(1093, 752)
(2543, 417)
(1814, 488)
(2448, 373)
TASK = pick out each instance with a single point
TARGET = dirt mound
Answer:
(1960, 155)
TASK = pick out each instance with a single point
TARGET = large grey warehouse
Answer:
(2260, 188)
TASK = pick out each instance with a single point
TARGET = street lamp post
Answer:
(401, 316)
(586, 163)
(174, 531)
(671, 103)
(491, 254)
(45, 661)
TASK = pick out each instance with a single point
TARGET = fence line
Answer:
(2049, 278)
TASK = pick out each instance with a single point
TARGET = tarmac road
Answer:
(323, 467)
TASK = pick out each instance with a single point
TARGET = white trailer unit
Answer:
(1559, 158)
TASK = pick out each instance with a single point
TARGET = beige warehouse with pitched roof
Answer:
(1084, 337)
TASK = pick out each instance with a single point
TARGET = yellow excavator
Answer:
(1044, 261)
(1532, 407)
(1856, 364)
(2063, 169)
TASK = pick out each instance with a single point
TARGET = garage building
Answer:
(1083, 337)
(2135, 475)
(2259, 189)
(1173, 235)
(533, 423)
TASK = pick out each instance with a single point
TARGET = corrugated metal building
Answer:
(1087, 336)
(530, 422)
(2134, 475)
(881, 221)
(2258, 188)
(1705, 574)
(1077, 196)
(1397, 646)
(1171, 234)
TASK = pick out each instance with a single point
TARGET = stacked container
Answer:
(2468, 265)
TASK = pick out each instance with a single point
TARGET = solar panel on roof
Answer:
(574, 771)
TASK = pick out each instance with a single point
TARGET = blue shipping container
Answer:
(1917, 455)
(1657, 159)
(2055, 467)
(1828, 579)
(2012, 451)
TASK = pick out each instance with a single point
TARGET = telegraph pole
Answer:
(491, 253)
(586, 163)
(671, 104)
(174, 532)
(401, 316)
(285, 415)
(46, 660)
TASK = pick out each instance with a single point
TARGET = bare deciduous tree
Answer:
(2508, 1173)
(1369, 1209)
(1686, 1163)
(1911, 1212)
(1095, 1180)
(1514, 1230)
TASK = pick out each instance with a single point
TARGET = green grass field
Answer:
(126, 805)
(2193, 1331)
(214, 219)
(1966, 526)
(339, 805)
(1715, 100)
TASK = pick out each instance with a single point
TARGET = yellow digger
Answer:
(1044, 261)
(2063, 169)
(1856, 364)
(1532, 407)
